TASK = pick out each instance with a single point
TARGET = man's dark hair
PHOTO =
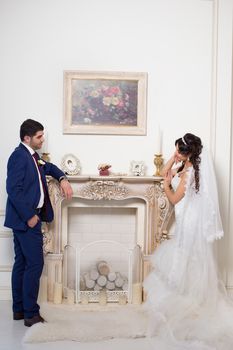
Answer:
(30, 128)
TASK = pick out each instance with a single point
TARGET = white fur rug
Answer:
(97, 323)
(87, 323)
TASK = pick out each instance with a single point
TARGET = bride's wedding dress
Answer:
(187, 301)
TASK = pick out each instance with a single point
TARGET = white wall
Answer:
(184, 45)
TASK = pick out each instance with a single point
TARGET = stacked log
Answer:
(112, 276)
(90, 283)
(102, 281)
(102, 277)
(103, 268)
(94, 274)
(119, 280)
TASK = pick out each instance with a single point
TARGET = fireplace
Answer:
(118, 220)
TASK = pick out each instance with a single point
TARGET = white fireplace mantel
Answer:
(106, 190)
(94, 188)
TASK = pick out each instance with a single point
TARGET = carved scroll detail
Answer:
(150, 195)
(56, 197)
(47, 238)
(54, 192)
(165, 212)
(108, 190)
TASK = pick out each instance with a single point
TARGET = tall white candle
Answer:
(137, 293)
(57, 297)
(158, 141)
(122, 299)
(43, 292)
(70, 296)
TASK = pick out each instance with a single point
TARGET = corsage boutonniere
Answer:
(40, 162)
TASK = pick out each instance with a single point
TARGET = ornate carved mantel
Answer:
(94, 188)
(106, 188)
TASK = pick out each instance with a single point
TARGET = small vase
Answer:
(104, 172)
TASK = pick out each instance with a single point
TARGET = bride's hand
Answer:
(176, 158)
(168, 178)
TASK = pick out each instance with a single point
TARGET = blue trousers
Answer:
(27, 269)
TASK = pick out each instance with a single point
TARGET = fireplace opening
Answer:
(103, 267)
(108, 234)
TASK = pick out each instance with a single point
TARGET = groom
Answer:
(28, 204)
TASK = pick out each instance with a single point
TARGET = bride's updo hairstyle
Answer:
(191, 146)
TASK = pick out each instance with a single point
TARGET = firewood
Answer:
(88, 281)
(97, 287)
(102, 280)
(94, 274)
(110, 285)
(125, 286)
(90, 284)
(112, 276)
(119, 280)
(103, 268)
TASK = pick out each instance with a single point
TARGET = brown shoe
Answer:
(28, 322)
(18, 316)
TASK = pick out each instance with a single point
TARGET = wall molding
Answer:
(230, 204)
(6, 268)
(5, 291)
(2, 212)
(213, 99)
(6, 234)
(221, 121)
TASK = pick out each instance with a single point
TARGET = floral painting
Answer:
(101, 102)
(105, 103)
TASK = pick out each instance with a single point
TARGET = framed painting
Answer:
(112, 103)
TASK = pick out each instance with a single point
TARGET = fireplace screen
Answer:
(103, 271)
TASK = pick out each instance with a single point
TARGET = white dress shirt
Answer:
(41, 201)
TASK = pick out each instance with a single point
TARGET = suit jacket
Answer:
(23, 188)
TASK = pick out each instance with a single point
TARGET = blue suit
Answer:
(23, 189)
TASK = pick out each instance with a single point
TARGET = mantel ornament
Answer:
(97, 190)
(70, 164)
(158, 162)
(104, 169)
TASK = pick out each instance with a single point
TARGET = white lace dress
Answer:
(187, 302)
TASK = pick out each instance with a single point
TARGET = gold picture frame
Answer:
(111, 103)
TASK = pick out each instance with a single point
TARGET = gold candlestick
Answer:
(45, 157)
(158, 162)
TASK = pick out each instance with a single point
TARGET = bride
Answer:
(186, 299)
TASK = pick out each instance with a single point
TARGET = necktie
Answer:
(36, 157)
